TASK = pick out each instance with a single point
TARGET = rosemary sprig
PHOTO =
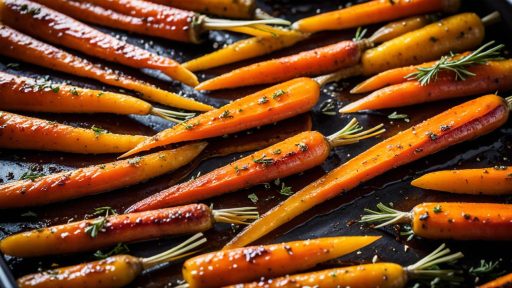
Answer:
(425, 75)
(95, 226)
(360, 32)
(120, 248)
(31, 175)
(486, 268)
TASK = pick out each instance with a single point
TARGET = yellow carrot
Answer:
(21, 132)
(486, 181)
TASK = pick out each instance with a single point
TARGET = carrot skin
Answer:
(463, 221)
(60, 29)
(173, 26)
(24, 48)
(490, 77)
(314, 62)
(487, 181)
(95, 179)
(244, 173)
(19, 132)
(465, 122)
(382, 275)
(115, 271)
(398, 28)
(457, 33)
(245, 49)
(27, 94)
(72, 237)
(242, 9)
(501, 282)
(295, 97)
(372, 12)
(240, 265)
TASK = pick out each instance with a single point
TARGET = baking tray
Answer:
(337, 216)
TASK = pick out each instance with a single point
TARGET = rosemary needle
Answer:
(425, 75)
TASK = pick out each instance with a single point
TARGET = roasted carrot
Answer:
(264, 107)
(461, 123)
(444, 220)
(114, 271)
(110, 229)
(148, 18)
(246, 49)
(24, 48)
(314, 62)
(489, 77)
(382, 275)
(293, 155)
(38, 20)
(95, 179)
(501, 282)
(227, 267)
(42, 95)
(395, 76)
(241, 9)
(456, 33)
(400, 27)
(19, 132)
(486, 181)
(373, 12)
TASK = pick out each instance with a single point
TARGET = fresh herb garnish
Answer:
(263, 100)
(360, 32)
(485, 268)
(105, 210)
(396, 116)
(31, 175)
(278, 94)
(425, 75)
(263, 160)
(253, 198)
(437, 209)
(286, 190)
(98, 131)
(96, 225)
(120, 248)
(73, 91)
(328, 107)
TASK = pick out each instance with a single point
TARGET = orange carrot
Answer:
(489, 77)
(42, 95)
(309, 63)
(264, 107)
(241, 9)
(24, 48)
(399, 27)
(461, 123)
(19, 132)
(110, 229)
(457, 221)
(37, 20)
(114, 271)
(382, 275)
(296, 154)
(95, 179)
(486, 181)
(149, 18)
(372, 12)
(501, 282)
(393, 76)
(226, 267)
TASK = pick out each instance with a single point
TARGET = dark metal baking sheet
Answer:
(335, 217)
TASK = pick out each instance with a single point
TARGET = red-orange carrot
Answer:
(221, 268)
(296, 154)
(95, 179)
(19, 132)
(372, 12)
(110, 229)
(24, 48)
(37, 20)
(381, 275)
(487, 181)
(149, 18)
(501, 282)
(444, 220)
(264, 107)
(489, 77)
(461, 123)
(393, 76)
(309, 63)
(240, 9)
(112, 272)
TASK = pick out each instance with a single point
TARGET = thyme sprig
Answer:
(120, 248)
(459, 66)
(96, 225)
